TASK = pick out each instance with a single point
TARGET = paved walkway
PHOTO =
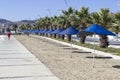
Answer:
(17, 63)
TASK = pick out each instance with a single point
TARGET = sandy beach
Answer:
(58, 59)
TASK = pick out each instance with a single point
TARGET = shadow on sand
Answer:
(80, 52)
(116, 66)
(99, 57)
(70, 48)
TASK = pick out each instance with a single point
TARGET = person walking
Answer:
(8, 34)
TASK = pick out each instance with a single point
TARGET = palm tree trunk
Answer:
(58, 36)
(69, 37)
(62, 36)
(54, 35)
(50, 35)
(46, 34)
(15, 31)
(104, 41)
(40, 34)
(82, 39)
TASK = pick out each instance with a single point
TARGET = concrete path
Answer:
(17, 63)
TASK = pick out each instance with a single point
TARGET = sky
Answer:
(16, 10)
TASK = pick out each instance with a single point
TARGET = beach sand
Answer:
(58, 59)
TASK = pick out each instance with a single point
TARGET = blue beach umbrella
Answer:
(57, 31)
(69, 31)
(33, 31)
(97, 29)
(40, 31)
(36, 31)
(29, 31)
(25, 31)
(49, 32)
(44, 31)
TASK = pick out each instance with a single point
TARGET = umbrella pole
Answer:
(57, 44)
(94, 51)
(71, 48)
(94, 57)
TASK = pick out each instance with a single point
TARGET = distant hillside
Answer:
(28, 21)
(4, 21)
(25, 22)
(9, 23)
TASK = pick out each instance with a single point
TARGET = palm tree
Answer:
(94, 18)
(15, 26)
(47, 22)
(82, 17)
(116, 23)
(60, 24)
(105, 21)
(36, 25)
(102, 18)
(28, 26)
(68, 15)
(23, 27)
(43, 23)
(54, 24)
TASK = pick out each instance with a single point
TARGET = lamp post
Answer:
(49, 11)
(38, 16)
(66, 3)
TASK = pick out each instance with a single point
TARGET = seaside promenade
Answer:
(17, 63)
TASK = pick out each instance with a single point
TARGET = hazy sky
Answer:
(15, 10)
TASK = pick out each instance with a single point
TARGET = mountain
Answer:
(25, 22)
(8, 23)
(4, 21)
(28, 21)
